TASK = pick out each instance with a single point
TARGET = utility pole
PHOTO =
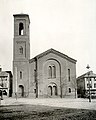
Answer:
(2, 89)
(89, 83)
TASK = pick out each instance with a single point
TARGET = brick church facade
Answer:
(49, 74)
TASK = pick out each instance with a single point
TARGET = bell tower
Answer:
(21, 54)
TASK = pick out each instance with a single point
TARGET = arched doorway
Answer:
(21, 90)
(49, 90)
(52, 90)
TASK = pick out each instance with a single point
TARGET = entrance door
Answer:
(52, 90)
(21, 90)
(49, 90)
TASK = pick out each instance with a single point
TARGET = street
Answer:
(54, 102)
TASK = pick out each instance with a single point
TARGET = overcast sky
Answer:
(68, 26)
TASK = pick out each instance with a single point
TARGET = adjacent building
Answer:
(84, 82)
(6, 83)
(49, 74)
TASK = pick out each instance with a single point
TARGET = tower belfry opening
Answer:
(21, 29)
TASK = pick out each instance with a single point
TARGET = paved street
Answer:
(57, 102)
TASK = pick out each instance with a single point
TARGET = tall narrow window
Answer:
(69, 90)
(94, 85)
(53, 71)
(89, 85)
(94, 79)
(21, 50)
(21, 29)
(20, 75)
(50, 72)
(34, 90)
(68, 74)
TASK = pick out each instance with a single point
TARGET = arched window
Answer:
(21, 50)
(50, 72)
(53, 71)
(69, 75)
(21, 29)
(69, 90)
(20, 75)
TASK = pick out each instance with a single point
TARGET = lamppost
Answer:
(89, 83)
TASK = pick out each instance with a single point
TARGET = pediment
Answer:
(56, 53)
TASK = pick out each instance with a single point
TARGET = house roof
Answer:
(54, 52)
(89, 74)
(3, 74)
(10, 73)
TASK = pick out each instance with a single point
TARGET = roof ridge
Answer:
(54, 51)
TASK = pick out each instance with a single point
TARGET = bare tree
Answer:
(74, 84)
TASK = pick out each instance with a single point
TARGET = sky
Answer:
(68, 26)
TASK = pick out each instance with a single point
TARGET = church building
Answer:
(50, 74)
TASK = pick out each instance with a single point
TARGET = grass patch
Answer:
(38, 112)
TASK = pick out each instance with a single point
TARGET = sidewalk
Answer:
(56, 102)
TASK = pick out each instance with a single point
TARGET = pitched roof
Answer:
(86, 75)
(54, 52)
(10, 73)
(3, 74)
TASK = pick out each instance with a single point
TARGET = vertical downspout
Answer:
(36, 73)
(60, 82)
